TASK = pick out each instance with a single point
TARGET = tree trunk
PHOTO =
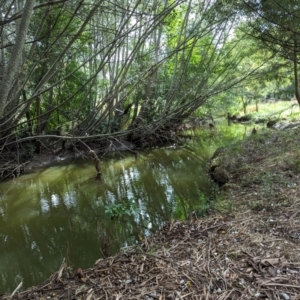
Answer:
(244, 102)
(295, 61)
(14, 61)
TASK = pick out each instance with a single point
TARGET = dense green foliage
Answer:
(135, 70)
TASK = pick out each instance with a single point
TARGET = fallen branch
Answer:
(282, 284)
(16, 289)
(96, 160)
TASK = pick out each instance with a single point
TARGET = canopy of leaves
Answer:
(130, 69)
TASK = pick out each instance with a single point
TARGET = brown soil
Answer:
(9, 168)
(248, 248)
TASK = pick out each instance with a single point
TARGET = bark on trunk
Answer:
(295, 61)
(14, 61)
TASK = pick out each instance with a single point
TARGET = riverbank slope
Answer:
(247, 248)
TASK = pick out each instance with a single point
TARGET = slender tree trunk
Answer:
(295, 61)
(244, 102)
(14, 61)
(29, 122)
(48, 112)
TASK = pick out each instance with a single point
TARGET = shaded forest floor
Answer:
(246, 248)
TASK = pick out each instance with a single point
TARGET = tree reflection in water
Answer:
(60, 212)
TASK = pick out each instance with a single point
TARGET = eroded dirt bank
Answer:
(247, 248)
(11, 168)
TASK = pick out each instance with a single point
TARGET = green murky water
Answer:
(61, 213)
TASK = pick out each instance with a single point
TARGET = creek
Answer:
(61, 213)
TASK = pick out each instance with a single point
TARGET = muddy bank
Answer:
(10, 168)
(23, 157)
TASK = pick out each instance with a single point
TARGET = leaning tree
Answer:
(110, 71)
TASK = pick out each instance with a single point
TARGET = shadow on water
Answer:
(61, 213)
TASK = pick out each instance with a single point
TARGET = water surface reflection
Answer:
(61, 213)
